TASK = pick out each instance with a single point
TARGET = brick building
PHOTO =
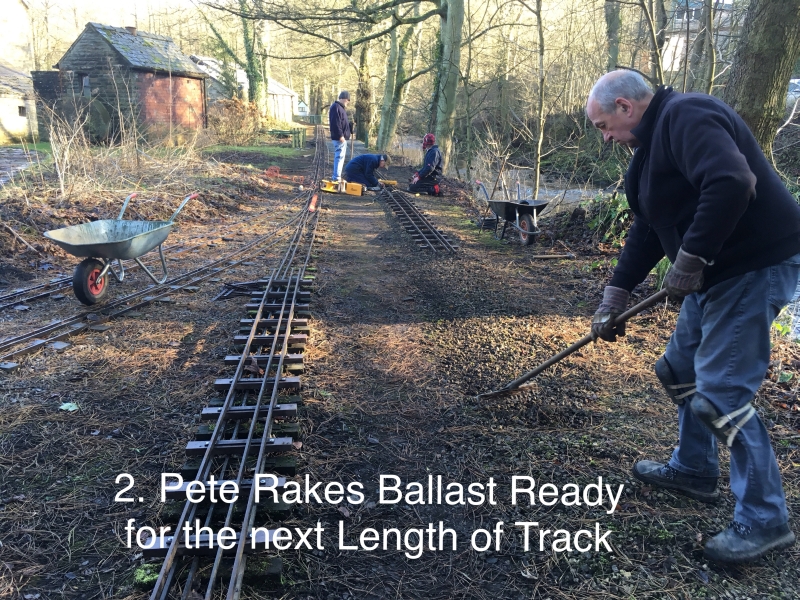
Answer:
(139, 79)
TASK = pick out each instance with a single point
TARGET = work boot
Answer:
(740, 543)
(660, 475)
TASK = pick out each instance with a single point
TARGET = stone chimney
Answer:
(131, 30)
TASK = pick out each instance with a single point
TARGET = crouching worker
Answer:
(426, 180)
(362, 170)
(703, 193)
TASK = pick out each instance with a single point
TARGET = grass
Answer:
(267, 151)
(38, 146)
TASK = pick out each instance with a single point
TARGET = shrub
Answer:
(235, 122)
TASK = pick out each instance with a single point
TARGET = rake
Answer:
(517, 385)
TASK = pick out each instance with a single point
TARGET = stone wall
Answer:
(17, 117)
(168, 101)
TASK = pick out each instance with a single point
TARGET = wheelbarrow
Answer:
(519, 215)
(103, 242)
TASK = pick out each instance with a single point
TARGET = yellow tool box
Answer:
(335, 187)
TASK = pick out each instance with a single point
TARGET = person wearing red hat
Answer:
(426, 179)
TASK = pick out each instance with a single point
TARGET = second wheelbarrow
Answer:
(520, 215)
(102, 242)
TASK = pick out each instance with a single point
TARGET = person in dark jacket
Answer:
(426, 180)
(703, 194)
(340, 131)
(362, 170)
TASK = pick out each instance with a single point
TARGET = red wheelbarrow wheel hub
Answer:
(96, 283)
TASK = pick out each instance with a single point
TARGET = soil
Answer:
(402, 342)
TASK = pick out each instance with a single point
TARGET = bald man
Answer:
(703, 194)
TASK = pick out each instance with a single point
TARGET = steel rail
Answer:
(66, 281)
(108, 310)
(405, 208)
(291, 279)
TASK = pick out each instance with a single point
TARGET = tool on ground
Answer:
(517, 384)
(341, 187)
(103, 242)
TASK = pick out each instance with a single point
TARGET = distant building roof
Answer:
(147, 51)
(213, 67)
(278, 89)
(14, 82)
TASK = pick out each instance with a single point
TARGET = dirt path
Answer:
(403, 340)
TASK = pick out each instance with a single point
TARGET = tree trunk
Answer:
(256, 92)
(708, 14)
(448, 81)
(762, 66)
(696, 57)
(388, 92)
(657, 69)
(363, 98)
(438, 57)
(613, 24)
(539, 104)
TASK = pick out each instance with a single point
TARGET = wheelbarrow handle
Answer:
(125, 205)
(483, 189)
(185, 200)
(514, 385)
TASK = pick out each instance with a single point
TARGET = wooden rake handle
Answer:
(515, 385)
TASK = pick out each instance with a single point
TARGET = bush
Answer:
(609, 217)
(235, 122)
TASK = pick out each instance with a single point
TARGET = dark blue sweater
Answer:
(362, 169)
(700, 180)
(340, 126)
(432, 165)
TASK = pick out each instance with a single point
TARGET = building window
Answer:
(23, 112)
(87, 88)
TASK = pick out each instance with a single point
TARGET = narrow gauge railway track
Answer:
(12, 347)
(248, 437)
(69, 326)
(59, 284)
(424, 233)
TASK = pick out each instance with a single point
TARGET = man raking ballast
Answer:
(703, 194)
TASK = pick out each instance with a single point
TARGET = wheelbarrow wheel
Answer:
(89, 288)
(526, 236)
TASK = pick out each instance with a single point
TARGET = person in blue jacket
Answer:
(362, 170)
(340, 131)
(426, 180)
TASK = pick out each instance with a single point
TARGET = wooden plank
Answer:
(196, 448)
(280, 411)
(254, 383)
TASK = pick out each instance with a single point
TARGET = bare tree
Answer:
(762, 66)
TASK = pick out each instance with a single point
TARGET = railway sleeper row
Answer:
(247, 429)
(416, 224)
(259, 334)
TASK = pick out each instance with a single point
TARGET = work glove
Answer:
(615, 301)
(415, 178)
(685, 276)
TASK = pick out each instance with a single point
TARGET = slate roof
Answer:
(148, 51)
(275, 88)
(15, 83)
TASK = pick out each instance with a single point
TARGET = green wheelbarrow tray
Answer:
(102, 242)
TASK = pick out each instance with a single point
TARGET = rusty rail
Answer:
(414, 221)
(249, 431)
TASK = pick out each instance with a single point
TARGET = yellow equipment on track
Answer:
(337, 187)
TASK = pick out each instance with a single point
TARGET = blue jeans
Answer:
(339, 152)
(722, 342)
